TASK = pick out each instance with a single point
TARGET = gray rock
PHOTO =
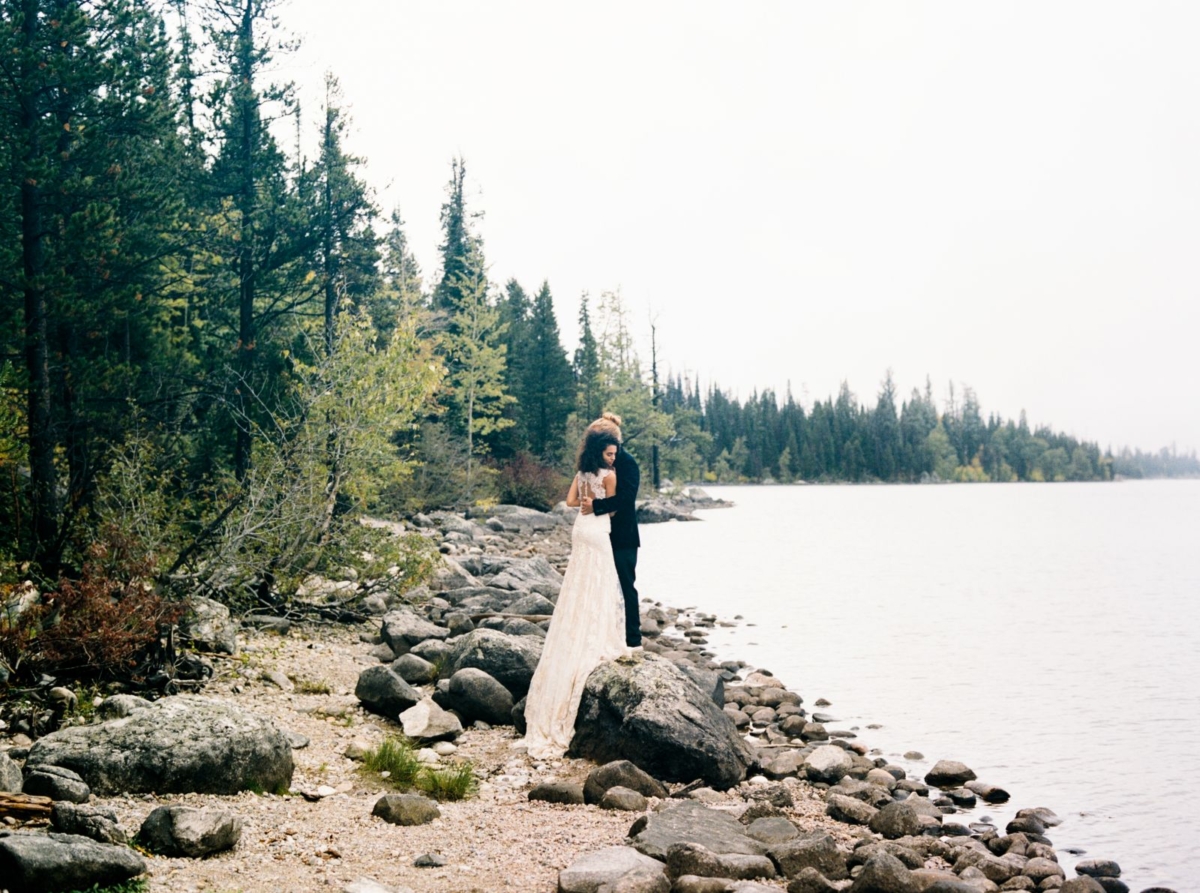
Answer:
(621, 798)
(995, 869)
(1113, 885)
(1098, 868)
(510, 660)
(813, 850)
(458, 624)
(897, 820)
(182, 744)
(404, 628)
(413, 669)
(516, 626)
(693, 883)
(532, 604)
(429, 860)
(57, 783)
(988, 793)
(476, 695)
(208, 627)
(885, 874)
(96, 822)
(1040, 868)
(809, 880)
(828, 764)
(11, 778)
(433, 650)
(607, 866)
(949, 885)
(193, 833)
(849, 809)
(788, 764)
(687, 821)
(650, 713)
(406, 809)
(909, 858)
(452, 575)
(772, 830)
(707, 680)
(557, 792)
(620, 773)
(35, 863)
(382, 690)
(949, 774)
(814, 731)
(516, 574)
(1082, 884)
(518, 716)
(694, 859)
(426, 721)
(117, 706)
(645, 879)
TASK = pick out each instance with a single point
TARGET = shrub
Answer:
(93, 626)
(397, 757)
(454, 783)
(526, 481)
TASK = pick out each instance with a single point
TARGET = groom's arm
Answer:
(625, 499)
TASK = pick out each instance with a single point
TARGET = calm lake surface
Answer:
(1047, 635)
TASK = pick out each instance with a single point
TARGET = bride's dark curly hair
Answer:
(591, 450)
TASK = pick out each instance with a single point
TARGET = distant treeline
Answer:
(722, 439)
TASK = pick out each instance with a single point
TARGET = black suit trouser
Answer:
(626, 561)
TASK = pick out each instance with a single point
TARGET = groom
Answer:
(624, 534)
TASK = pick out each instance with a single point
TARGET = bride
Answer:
(588, 626)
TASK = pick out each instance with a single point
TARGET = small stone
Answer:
(279, 679)
(183, 831)
(406, 809)
(429, 860)
(57, 783)
(623, 799)
(1098, 868)
(949, 773)
(558, 792)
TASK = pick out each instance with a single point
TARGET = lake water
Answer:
(1047, 635)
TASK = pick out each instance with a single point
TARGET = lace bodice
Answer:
(594, 483)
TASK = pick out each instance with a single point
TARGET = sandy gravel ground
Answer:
(497, 840)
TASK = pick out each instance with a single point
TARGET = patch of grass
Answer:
(312, 686)
(396, 757)
(456, 782)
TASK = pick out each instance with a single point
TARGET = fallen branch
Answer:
(24, 806)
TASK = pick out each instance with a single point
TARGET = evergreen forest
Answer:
(219, 353)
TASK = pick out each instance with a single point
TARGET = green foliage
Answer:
(396, 756)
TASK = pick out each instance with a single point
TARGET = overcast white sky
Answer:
(1006, 195)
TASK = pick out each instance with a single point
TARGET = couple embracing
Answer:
(596, 617)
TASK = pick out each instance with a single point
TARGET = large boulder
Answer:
(651, 713)
(476, 695)
(687, 821)
(403, 628)
(813, 850)
(515, 574)
(510, 660)
(182, 744)
(183, 831)
(44, 863)
(607, 866)
(209, 627)
(381, 690)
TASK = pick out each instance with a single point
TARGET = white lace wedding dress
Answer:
(588, 627)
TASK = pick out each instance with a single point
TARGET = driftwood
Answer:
(24, 806)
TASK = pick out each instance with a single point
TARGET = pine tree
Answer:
(88, 211)
(547, 388)
(589, 386)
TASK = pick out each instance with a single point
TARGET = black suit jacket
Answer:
(624, 533)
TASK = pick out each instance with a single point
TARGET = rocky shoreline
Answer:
(686, 774)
